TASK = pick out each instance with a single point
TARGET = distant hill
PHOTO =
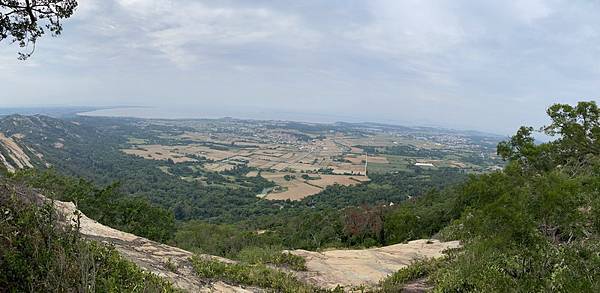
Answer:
(57, 112)
(41, 141)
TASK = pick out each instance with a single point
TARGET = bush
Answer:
(253, 275)
(416, 270)
(106, 205)
(272, 255)
(38, 254)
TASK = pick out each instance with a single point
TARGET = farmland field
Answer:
(294, 186)
(302, 159)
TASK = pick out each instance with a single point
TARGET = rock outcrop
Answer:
(12, 156)
(365, 267)
(163, 260)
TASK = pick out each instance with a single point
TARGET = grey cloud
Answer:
(486, 65)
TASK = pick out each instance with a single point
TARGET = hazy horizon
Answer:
(483, 66)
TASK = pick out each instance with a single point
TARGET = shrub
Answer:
(272, 255)
(38, 254)
(253, 275)
(416, 270)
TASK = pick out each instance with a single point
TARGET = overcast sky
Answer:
(484, 65)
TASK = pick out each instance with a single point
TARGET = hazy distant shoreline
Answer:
(206, 113)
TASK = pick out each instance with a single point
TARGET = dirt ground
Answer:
(356, 159)
(378, 160)
(157, 152)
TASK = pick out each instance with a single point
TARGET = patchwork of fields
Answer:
(302, 159)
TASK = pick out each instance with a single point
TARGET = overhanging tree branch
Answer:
(24, 21)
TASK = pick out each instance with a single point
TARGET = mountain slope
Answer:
(13, 156)
(41, 141)
(180, 267)
(533, 227)
(166, 261)
(326, 270)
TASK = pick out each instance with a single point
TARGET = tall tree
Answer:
(24, 21)
(577, 128)
(576, 138)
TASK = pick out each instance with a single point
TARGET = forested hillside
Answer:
(533, 227)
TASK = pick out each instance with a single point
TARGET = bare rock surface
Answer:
(365, 267)
(163, 260)
(15, 154)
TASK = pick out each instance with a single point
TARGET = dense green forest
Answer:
(107, 205)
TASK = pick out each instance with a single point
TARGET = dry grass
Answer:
(356, 159)
(205, 151)
(327, 180)
(348, 168)
(356, 150)
(158, 152)
(299, 188)
(378, 160)
(308, 157)
(218, 167)
(252, 174)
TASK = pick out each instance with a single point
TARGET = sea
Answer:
(213, 113)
